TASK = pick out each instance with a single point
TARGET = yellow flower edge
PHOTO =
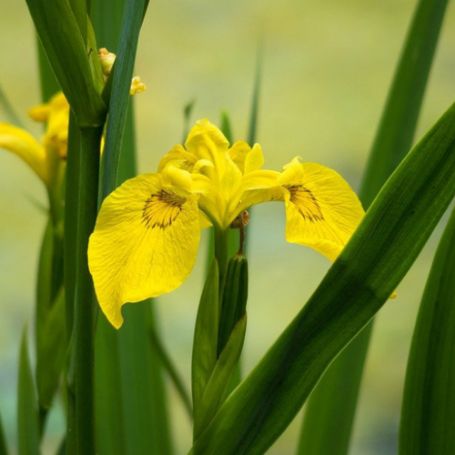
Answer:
(26, 147)
(147, 233)
(144, 243)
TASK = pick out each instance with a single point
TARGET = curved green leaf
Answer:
(379, 254)
(337, 392)
(28, 431)
(428, 412)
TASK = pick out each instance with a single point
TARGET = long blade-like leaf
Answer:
(130, 388)
(428, 413)
(27, 405)
(67, 52)
(3, 446)
(379, 254)
(334, 400)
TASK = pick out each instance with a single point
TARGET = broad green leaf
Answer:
(48, 81)
(119, 97)
(65, 48)
(205, 336)
(235, 295)
(28, 430)
(337, 392)
(428, 412)
(51, 353)
(217, 385)
(79, 8)
(3, 446)
(379, 254)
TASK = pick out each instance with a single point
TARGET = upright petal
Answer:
(206, 141)
(144, 243)
(24, 145)
(322, 211)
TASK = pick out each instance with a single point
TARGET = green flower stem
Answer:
(169, 366)
(84, 176)
(221, 253)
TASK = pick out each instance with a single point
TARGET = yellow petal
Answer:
(144, 243)
(206, 141)
(41, 112)
(260, 186)
(254, 160)
(246, 158)
(178, 157)
(238, 153)
(322, 211)
(24, 145)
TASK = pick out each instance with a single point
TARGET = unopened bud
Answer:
(137, 86)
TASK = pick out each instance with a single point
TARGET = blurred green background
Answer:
(327, 67)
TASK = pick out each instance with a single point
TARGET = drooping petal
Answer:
(144, 243)
(322, 211)
(24, 145)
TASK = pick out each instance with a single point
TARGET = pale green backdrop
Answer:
(327, 66)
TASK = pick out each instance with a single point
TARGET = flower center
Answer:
(162, 209)
(306, 203)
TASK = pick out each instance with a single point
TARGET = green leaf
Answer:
(119, 97)
(132, 415)
(235, 295)
(337, 392)
(8, 109)
(51, 353)
(254, 112)
(65, 48)
(428, 412)
(205, 336)
(217, 385)
(170, 368)
(3, 446)
(81, 210)
(187, 112)
(379, 254)
(48, 81)
(226, 127)
(27, 406)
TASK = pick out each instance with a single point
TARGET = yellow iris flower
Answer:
(148, 230)
(41, 155)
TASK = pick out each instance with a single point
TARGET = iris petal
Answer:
(322, 211)
(144, 243)
(24, 145)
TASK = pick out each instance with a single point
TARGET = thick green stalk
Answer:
(80, 394)
(428, 414)
(331, 408)
(221, 254)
